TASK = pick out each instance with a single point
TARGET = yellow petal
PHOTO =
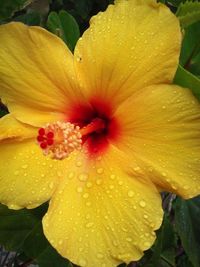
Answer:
(100, 215)
(163, 135)
(27, 177)
(131, 45)
(10, 128)
(36, 73)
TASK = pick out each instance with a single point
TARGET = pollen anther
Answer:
(59, 139)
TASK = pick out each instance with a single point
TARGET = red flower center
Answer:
(98, 125)
(91, 126)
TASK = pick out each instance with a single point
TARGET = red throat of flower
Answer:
(91, 126)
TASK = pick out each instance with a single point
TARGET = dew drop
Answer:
(99, 181)
(25, 166)
(112, 176)
(83, 177)
(100, 170)
(129, 239)
(142, 203)
(131, 193)
(51, 185)
(86, 195)
(99, 256)
(137, 168)
(16, 172)
(90, 224)
(71, 175)
(89, 185)
(115, 243)
(78, 163)
(88, 204)
(79, 189)
(60, 242)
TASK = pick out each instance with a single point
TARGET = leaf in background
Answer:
(31, 19)
(50, 258)
(22, 231)
(164, 248)
(9, 7)
(195, 65)
(65, 26)
(187, 221)
(83, 7)
(186, 79)
(174, 3)
(15, 226)
(190, 45)
(188, 13)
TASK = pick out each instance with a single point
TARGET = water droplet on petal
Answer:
(90, 224)
(71, 175)
(142, 203)
(112, 176)
(83, 177)
(88, 203)
(99, 181)
(78, 163)
(129, 239)
(100, 170)
(60, 242)
(25, 166)
(131, 193)
(16, 172)
(86, 195)
(99, 256)
(79, 189)
(89, 185)
(51, 185)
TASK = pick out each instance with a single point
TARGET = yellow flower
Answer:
(100, 132)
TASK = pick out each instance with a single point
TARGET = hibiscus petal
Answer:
(11, 128)
(163, 134)
(36, 73)
(27, 177)
(100, 215)
(131, 45)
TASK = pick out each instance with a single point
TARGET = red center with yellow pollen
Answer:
(90, 125)
(97, 114)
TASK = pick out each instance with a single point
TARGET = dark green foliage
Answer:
(65, 26)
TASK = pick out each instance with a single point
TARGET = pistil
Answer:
(60, 139)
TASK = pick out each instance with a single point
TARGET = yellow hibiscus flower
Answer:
(100, 132)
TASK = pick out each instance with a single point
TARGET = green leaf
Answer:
(31, 19)
(50, 258)
(22, 231)
(195, 65)
(187, 221)
(188, 13)
(190, 46)
(9, 7)
(174, 3)
(15, 226)
(65, 26)
(186, 79)
(164, 248)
